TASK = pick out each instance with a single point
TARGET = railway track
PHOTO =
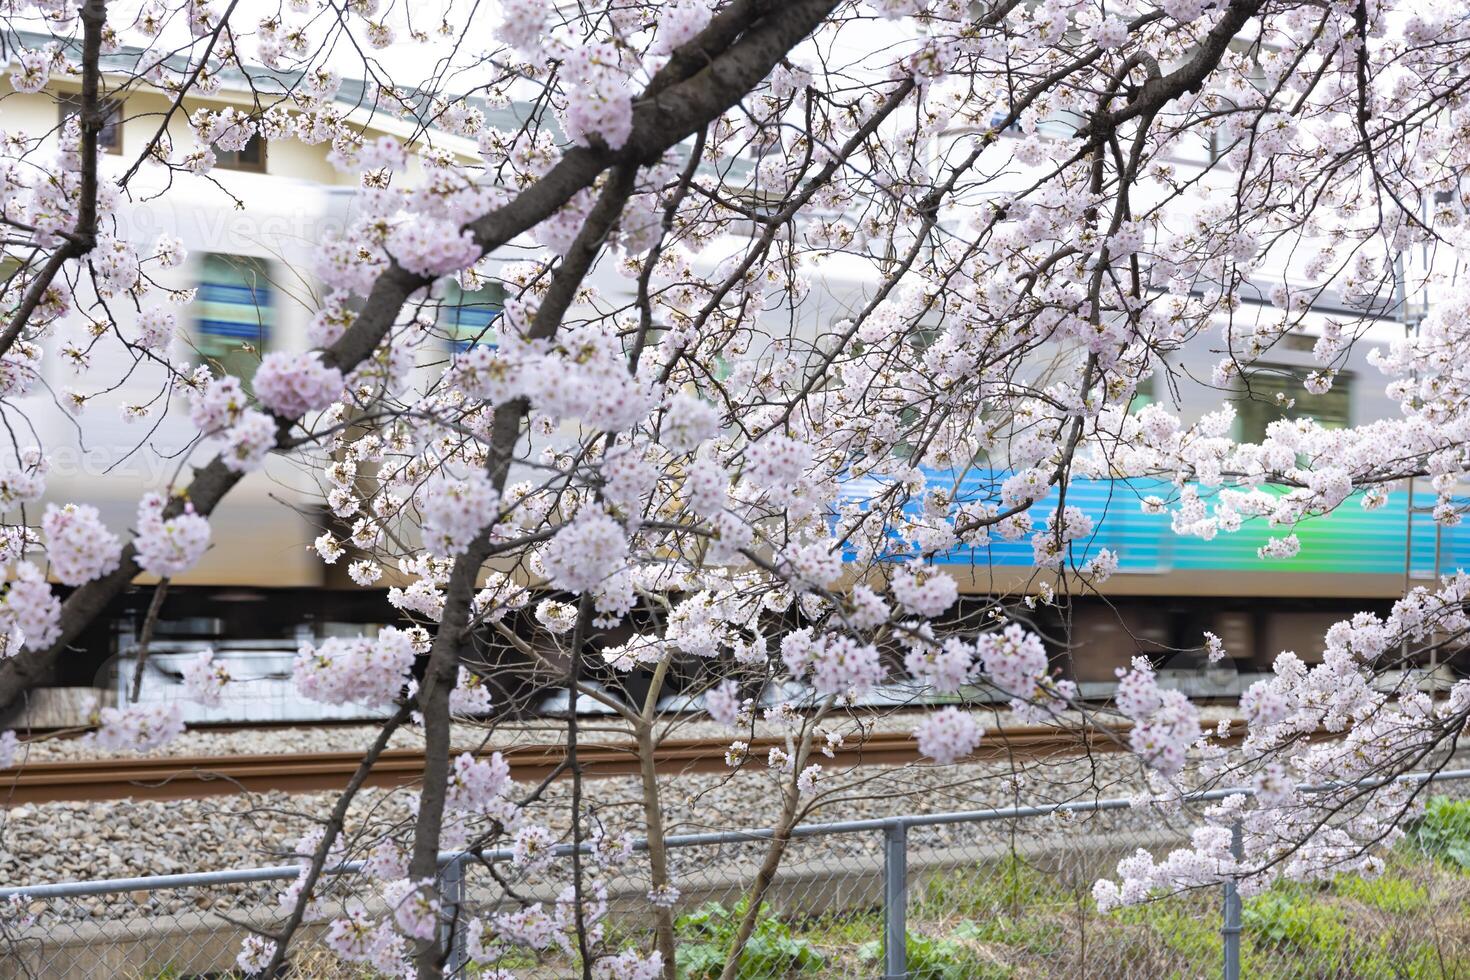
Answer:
(186, 777)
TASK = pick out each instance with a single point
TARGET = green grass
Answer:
(1386, 893)
(1011, 885)
(1443, 832)
(1013, 920)
(1292, 919)
(1184, 928)
(835, 930)
(1032, 934)
(932, 958)
(771, 952)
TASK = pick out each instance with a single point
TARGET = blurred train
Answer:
(261, 590)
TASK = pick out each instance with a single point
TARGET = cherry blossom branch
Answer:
(680, 109)
(331, 830)
(83, 236)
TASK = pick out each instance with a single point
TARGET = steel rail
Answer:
(188, 777)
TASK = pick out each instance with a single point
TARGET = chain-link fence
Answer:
(999, 893)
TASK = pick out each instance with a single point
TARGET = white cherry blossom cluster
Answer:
(291, 385)
(946, 666)
(630, 965)
(172, 546)
(456, 511)
(358, 937)
(205, 679)
(1165, 722)
(678, 24)
(1015, 662)
(689, 421)
(723, 702)
(587, 379)
(1209, 861)
(30, 612)
(137, 728)
(432, 246)
(776, 462)
(923, 590)
(948, 735)
(471, 694)
(25, 483)
(78, 544)
(414, 906)
(836, 664)
(534, 848)
(522, 24)
(355, 670)
(255, 954)
(585, 551)
(156, 327)
(219, 407)
(599, 103)
(479, 785)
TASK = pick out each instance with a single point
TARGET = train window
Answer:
(921, 338)
(251, 157)
(1105, 638)
(998, 116)
(1278, 392)
(1062, 125)
(1237, 631)
(468, 318)
(1145, 394)
(109, 139)
(1300, 632)
(234, 311)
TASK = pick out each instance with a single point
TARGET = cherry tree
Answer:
(858, 244)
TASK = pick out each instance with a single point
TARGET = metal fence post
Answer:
(1230, 931)
(453, 933)
(895, 900)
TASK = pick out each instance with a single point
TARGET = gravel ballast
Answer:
(70, 841)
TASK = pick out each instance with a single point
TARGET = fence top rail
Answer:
(113, 886)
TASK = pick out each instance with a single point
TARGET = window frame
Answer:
(233, 162)
(261, 286)
(456, 300)
(1249, 391)
(69, 104)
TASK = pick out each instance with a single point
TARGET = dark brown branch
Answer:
(84, 233)
(150, 623)
(685, 105)
(444, 656)
(335, 822)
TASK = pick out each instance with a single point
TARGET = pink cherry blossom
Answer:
(585, 551)
(168, 547)
(360, 670)
(78, 544)
(291, 385)
(948, 735)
